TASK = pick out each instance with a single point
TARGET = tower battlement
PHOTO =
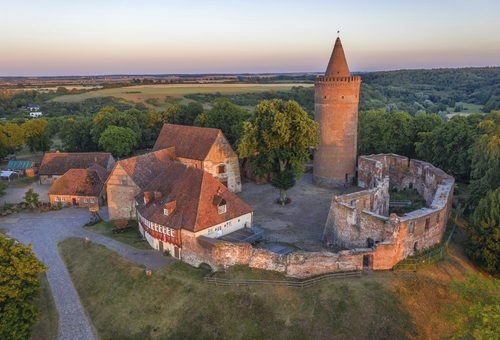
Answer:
(323, 79)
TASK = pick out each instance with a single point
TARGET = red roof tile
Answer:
(193, 190)
(189, 141)
(142, 169)
(57, 163)
(79, 182)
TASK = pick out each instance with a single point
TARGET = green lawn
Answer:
(131, 237)
(174, 303)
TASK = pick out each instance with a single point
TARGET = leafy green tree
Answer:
(14, 137)
(484, 232)
(75, 135)
(19, 285)
(118, 141)
(110, 116)
(31, 197)
(397, 134)
(476, 312)
(486, 159)
(226, 116)
(37, 135)
(449, 146)
(370, 125)
(277, 141)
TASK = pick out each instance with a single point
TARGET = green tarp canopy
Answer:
(20, 165)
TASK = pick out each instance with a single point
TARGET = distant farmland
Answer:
(141, 93)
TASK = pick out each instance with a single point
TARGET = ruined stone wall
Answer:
(121, 191)
(354, 220)
(352, 223)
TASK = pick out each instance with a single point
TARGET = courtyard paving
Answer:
(300, 222)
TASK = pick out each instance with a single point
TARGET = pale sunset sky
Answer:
(56, 37)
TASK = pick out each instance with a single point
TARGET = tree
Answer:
(118, 141)
(15, 137)
(110, 116)
(476, 312)
(277, 141)
(226, 116)
(19, 285)
(31, 197)
(37, 135)
(449, 146)
(486, 159)
(76, 137)
(484, 232)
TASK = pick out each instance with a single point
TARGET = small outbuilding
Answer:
(27, 168)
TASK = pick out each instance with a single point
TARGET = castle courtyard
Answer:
(300, 222)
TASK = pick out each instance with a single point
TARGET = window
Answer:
(63, 199)
(124, 182)
(165, 211)
(56, 199)
(222, 209)
(92, 200)
(411, 228)
(172, 233)
(221, 169)
(437, 218)
(85, 200)
(427, 222)
(165, 230)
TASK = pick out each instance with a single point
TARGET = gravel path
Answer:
(44, 232)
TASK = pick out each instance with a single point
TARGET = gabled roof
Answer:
(57, 163)
(337, 66)
(20, 165)
(142, 169)
(79, 182)
(189, 141)
(193, 190)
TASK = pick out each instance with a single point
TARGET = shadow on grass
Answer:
(131, 237)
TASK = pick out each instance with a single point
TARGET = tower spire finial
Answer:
(338, 33)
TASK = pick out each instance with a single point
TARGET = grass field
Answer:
(132, 237)
(174, 303)
(48, 322)
(468, 109)
(141, 93)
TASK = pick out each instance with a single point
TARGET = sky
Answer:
(104, 37)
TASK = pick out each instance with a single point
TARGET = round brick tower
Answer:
(336, 97)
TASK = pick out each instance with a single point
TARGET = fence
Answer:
(288, 283)
(426, 258)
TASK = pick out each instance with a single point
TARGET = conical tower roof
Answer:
(337, 66)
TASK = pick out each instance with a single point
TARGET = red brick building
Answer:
(336, 98)
(80, 187)
(203, 148)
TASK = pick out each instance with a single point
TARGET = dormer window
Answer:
(222, 208)
(165, 211)
(169, 207)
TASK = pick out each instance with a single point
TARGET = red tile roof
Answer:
(189, 141)
(57, 163)
(142, 169)
(193, 190)
(80, 182)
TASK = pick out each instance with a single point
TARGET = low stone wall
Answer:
(296, 265)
